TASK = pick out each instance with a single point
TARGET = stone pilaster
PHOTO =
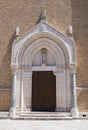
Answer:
(74, 109)
(30, 91)
(14, 92)
(26, 89)
(59, 87)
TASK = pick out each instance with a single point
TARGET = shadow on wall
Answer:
(80, 18)
(80, 26)
(5, 70)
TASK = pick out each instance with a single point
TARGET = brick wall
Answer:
(5, 100)
(60, 14)
(82, 99)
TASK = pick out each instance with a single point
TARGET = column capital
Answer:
(26, 67)
(60, 67)
(72, 68)
(74, 112)
(14, 70)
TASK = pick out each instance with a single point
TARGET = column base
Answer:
(24, 109)
(60, 109)
(56, 109)
(13, 111)
(74, 112)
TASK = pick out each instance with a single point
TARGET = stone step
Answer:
(44, 115)
(46, 118)
(4, 115)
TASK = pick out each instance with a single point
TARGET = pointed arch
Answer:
(23, 51)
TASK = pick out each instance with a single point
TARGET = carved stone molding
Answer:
(43, 16)
(26, 67)
(60, 67)
(72, 68)
(14, 69)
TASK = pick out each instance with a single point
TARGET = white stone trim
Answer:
(23, 51)
(82, 88)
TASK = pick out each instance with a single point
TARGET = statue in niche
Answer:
(44, 56)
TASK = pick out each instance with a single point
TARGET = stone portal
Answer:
(52, 53)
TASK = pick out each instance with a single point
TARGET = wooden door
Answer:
(43, 91)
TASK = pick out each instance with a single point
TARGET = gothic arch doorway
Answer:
(43, 49)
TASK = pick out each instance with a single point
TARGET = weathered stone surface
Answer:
(44, 125)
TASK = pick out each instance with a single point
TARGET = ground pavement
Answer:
(7, 124)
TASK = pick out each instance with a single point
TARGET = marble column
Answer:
(58, 97)
(74, 109)
(26, 90)
(60, 90)
(59, 85)
(22, 95)
(30, 91)
(14, 93)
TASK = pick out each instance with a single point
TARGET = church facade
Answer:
(44, 66)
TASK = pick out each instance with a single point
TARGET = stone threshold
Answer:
(43, 116)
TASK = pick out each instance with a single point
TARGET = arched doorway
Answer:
(43, 51)
(43, 82)
(45, 55)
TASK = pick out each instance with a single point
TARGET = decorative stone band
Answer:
(60, 67)
(72, 68)
(16, 68)
(28, 67)
(82, 87)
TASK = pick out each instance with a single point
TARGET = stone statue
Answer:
(44, 56)
(43, 15)
(17, 31)
(70, 30)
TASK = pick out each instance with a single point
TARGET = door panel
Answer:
(43, 91)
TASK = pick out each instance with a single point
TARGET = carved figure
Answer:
(70, 29)
(43, 15)
(44, 56)
(17, 31)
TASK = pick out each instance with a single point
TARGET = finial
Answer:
(70, 30)
(43, 15)
(17, 31)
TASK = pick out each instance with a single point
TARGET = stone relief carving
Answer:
(70, 30)
(17, 31)
(43, 15)
(44, 56)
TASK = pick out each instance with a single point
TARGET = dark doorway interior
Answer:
(43, 91)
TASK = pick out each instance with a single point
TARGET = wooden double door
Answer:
(43, 91)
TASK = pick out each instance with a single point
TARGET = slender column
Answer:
(58, 97)
(14, 93)
(60, 105)
(74, 109)
(26, 91)
(58, 91)
(30, 91)
(22, 95)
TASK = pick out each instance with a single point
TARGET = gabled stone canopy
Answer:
(43, 30)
